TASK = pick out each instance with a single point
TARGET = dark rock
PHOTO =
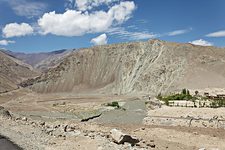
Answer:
(152, 145)
(4, 113)
(42, 123)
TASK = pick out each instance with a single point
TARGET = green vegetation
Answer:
(184, 95)
(217, 103)
(184, 92)
(196, 93)
(114, 104)
(198, 100)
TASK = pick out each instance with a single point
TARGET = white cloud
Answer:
(217, 34)
(201, 42)
(179, 32)
(132, 27)
(141, 35)
(122, 12)
(15, 29)
(69, 4)
(100, 40)
(84, 5)
(123, 34)
(77, 23)
(6, 42)
(27, 8)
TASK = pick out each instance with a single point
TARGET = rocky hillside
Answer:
(143, 67)
(40, 61)
(12, 72)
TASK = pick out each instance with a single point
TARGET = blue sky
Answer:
(46, 25)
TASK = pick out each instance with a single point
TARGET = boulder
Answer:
(120, 138)
(68, 128)
(24, 119)
(42, 123)
(152, 145)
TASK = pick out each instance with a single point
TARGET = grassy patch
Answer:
(115, 105)
(184, 95)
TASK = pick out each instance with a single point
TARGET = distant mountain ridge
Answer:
(40, 61)
(12, 72)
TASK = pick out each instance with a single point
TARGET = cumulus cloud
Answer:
(217, 34)
(201, 42)
(84, 5)
(179, 32)
(6, 42)
(100, 40)
(15, 29)
(69, 4)
(27, 8)
(122, 11)
(77, 23)
(124, 34)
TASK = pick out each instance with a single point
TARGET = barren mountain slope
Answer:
(40, 61)
(142, 67)
(53, 59)
(12, 72)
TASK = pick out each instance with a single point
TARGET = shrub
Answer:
(188, 92)
(114, 104)
(184, 95)
(184, 91)
(178, 97)
(196, 92)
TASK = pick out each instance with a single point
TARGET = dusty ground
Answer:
(185, 112)
(60, 110)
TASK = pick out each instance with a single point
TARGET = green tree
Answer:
(187, 92)
(196, 92)
(184, 91)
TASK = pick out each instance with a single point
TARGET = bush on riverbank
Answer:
(114, 104)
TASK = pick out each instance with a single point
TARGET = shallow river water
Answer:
(5, 144)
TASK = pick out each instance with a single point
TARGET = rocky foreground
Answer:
(64, 134)
(33, 134)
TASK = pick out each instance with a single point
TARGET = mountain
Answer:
(150, 67)
(12, 72)
(40, 61)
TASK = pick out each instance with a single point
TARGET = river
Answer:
(6, 144)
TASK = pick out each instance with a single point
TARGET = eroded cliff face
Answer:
(143, 67)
